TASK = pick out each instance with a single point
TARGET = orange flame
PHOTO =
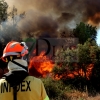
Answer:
(80, 72)
(94, 20)
(42, 64)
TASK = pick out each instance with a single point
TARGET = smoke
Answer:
(93, 11)
(35, 24)
(47, 18)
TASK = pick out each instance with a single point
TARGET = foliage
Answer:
(9, 29)
(64, 60)
(84, 32)
(55, 89)
(78, 72)
(3, 10)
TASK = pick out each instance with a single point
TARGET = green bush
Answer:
(55, 89)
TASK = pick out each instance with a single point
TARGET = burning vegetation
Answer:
(41, 65)
(76, 73)
(59, 17)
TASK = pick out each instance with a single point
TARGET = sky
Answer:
(98, 37)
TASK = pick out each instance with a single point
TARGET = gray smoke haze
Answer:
(48, 17)
(35, 24)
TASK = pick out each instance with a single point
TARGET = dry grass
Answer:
(94, 98)
(76, 95)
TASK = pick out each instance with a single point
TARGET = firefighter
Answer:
(17, 84)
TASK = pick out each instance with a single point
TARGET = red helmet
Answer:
(14, 48)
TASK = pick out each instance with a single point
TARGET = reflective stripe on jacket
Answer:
(31, 88)
(46, 98)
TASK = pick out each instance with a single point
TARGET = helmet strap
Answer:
(24, 67)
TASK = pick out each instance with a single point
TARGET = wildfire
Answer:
(94, 20)
(79, 72)
(42, 64)
(82, 73)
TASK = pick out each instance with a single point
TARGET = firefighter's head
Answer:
(13, 53)
(14, 50)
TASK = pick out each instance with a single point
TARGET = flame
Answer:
(89, 70)
(42, 64)
(82, 73)
(79, 72)
(94, 20)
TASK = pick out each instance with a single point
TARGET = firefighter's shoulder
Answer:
(2, 80)
(34, 80)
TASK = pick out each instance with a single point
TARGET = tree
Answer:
(75, 66)
(84, 31)
(8, 31)
(9, 28)
(3, 10)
